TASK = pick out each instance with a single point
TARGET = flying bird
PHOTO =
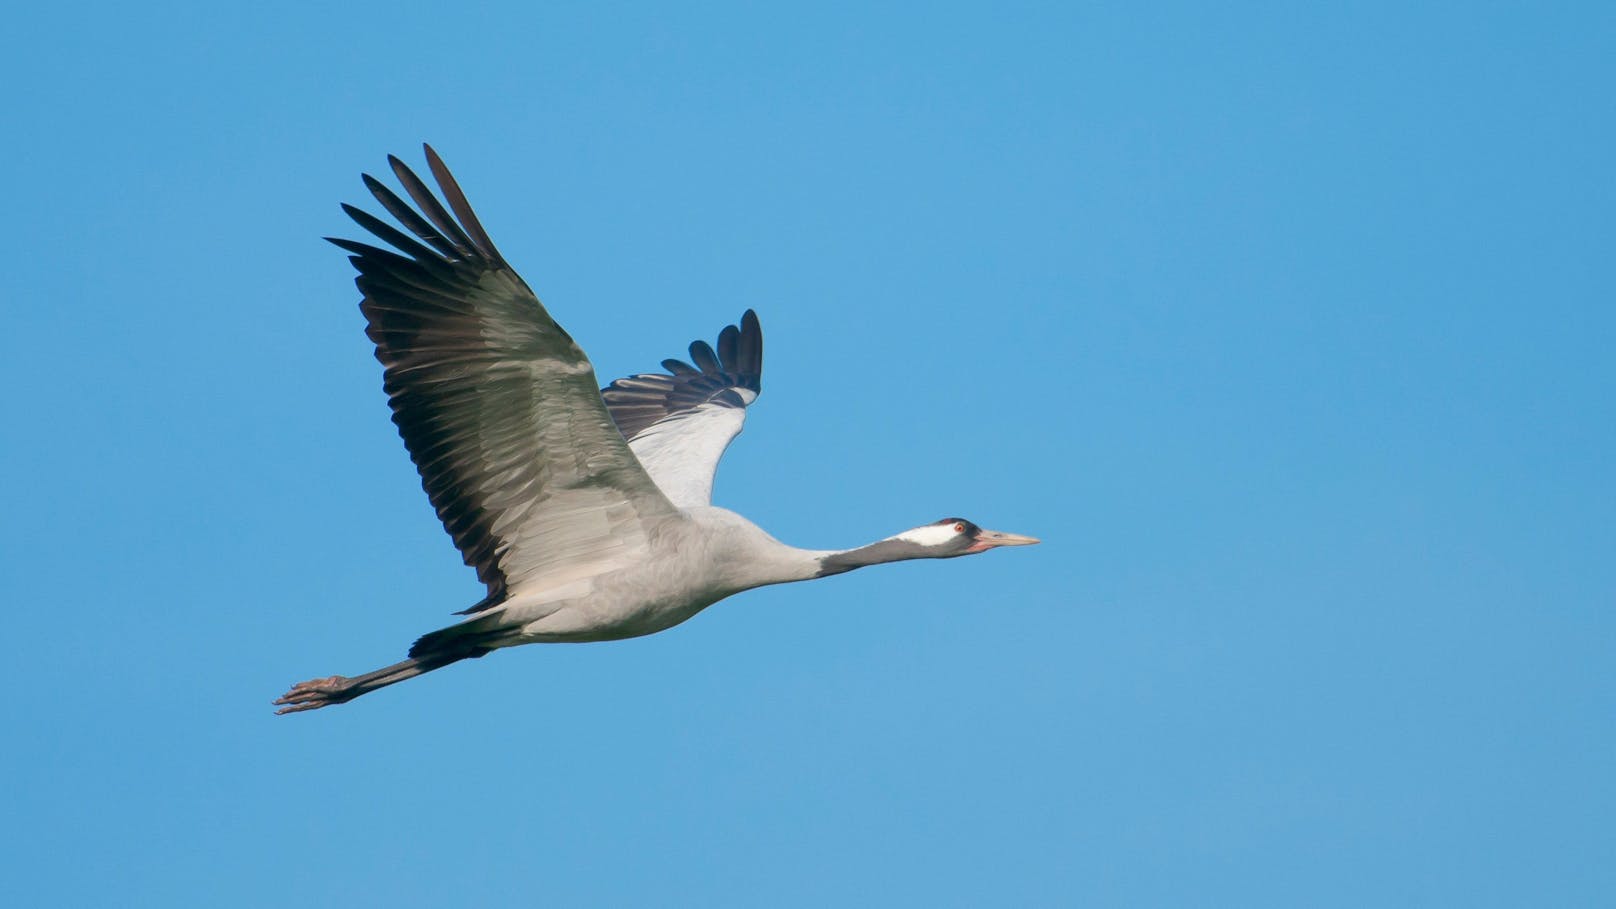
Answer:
(586, 511)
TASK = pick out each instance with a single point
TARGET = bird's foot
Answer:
(313, 694)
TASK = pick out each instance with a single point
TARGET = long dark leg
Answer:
(317, 693)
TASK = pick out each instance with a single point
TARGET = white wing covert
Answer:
(679, 423)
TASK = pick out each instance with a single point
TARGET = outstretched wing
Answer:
(679, 423)
(498, 407)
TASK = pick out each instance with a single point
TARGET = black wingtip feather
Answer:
(701, 354)
(392, 236)
(409, 217)
(462, 209)
(749, 358)
(363, 250)
(434, 211)
(729, 342)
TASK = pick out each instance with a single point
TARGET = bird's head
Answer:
(943, 539)
(952, 537)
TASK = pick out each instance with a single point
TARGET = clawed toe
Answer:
(310, 695)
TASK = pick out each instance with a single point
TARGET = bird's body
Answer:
(586, 511)
(695, 559)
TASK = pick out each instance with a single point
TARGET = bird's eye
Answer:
(959, 528)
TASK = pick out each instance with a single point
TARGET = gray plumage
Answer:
(585, 511)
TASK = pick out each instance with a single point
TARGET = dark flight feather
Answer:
(640, 401)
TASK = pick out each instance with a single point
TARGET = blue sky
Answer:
(1289, 330)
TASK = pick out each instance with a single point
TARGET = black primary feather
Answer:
(640, 401)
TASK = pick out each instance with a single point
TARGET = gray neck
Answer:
(760, 559)
(873, 554)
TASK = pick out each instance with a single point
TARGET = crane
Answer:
(585, 511)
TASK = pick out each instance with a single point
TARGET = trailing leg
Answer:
(317, 693)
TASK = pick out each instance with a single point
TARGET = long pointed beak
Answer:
(989, 539)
